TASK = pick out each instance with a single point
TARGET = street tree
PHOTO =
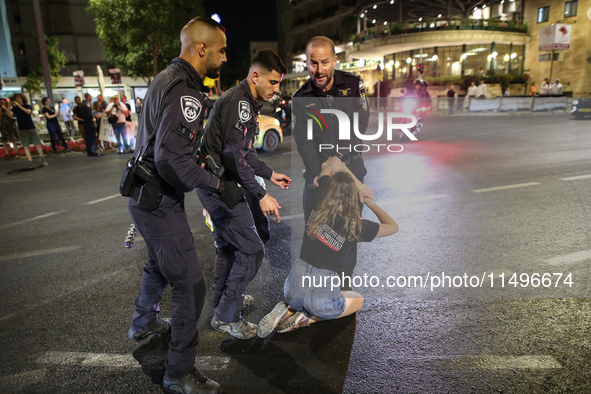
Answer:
(142, 36)
(57, 61)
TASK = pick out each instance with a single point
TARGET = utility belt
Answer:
(140, 173)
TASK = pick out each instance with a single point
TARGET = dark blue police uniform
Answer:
(345, 85)
(174, 109)
(228, 139)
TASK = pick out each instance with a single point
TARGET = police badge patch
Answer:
(191, 108)
(244, 111)
(362, 97)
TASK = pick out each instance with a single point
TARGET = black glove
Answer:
(230, 193)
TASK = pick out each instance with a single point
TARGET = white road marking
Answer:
(31, 220)
(17, 180)
(575, 178)
(39, 253)
(490, 362)
(570, 258)
(480, 134)
(103, 199)
(119, 360)
(443, 138)
(19, 381)
(492, 189)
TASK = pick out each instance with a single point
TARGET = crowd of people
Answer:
(547, 89)
(87, 113)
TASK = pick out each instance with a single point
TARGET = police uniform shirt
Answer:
(229, 137)
(175, 105)
(345, 85)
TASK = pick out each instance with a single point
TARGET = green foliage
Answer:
(348, 27)
(142, 36)
(57, 61)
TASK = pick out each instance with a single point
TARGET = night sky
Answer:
(245, 21)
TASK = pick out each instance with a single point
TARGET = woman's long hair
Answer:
(22, 96)
(340, 200)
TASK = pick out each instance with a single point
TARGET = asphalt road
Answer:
(475, 196)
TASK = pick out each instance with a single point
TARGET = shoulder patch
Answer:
(191, 108)
(244, 111)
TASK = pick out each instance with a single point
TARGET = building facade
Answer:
(572, 66)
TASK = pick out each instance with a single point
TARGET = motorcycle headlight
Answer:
(573, 109)
(277, 122)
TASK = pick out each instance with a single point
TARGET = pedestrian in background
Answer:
(556, 88)
(120, 110)
(66, 113)
(481, 90)
(124, 101)
(139, 105)
(98, 112)
(53, 125)
(8, 128)
(89, 125)
(545, 89)
(78, 117)
(26, 127)
(101, 101)
(532, 90)
(451, 99)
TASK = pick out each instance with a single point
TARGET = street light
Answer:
(375, 6)
(513, 55)
(408, 60)
(374, 21)
(397, 64)
(385, 23)
(439, 16)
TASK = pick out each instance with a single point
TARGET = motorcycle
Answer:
(418, 107)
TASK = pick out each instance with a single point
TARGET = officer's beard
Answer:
(327, 81)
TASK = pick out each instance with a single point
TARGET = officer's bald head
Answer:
(319, 42)
(204, 46)
(200, 30)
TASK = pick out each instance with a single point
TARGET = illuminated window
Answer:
(543, 14)
(570, 8)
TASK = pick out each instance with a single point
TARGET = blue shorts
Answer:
(304, 291)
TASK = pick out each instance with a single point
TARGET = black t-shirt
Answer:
(328, 249)
(23, 119)
(49, 111)
(128, 117)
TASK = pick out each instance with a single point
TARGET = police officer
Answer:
(228, 146)
(328, 88)
(90, 131)
(169, 129)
